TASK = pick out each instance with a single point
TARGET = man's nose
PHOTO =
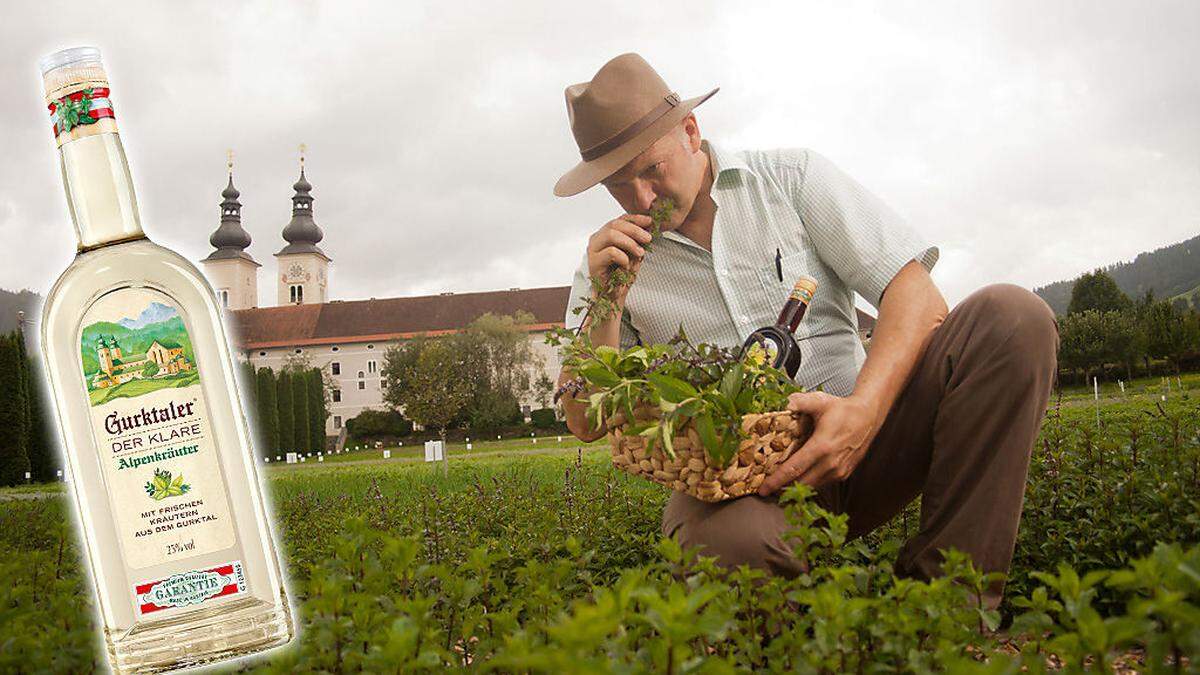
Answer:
(644, 197)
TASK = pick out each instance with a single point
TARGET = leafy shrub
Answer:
(371, 424)
(556, 565)
(543, 418)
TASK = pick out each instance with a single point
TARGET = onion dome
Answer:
(302, 233)
(229, 239)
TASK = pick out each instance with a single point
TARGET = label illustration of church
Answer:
(152, 349)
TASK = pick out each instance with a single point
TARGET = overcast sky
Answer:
(1029, 141)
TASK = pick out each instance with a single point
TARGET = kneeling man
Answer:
(947, 404)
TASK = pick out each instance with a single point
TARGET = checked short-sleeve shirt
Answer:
(821, 222)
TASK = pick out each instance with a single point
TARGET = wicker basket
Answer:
(771, 438)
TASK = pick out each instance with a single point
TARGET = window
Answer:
(362, 385)
(223, 294)
(371, 366)
(382, 383)
(335, 368)
(333, 348)
(262, 353)
(360, 375)
(296, 293)
(298, 350)
(370, 346)
(337, 395)
(337, 421)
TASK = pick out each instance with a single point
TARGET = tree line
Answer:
(1105, 328)
(1169, 271)
(26, 437)
(290, 408)
(473, 379)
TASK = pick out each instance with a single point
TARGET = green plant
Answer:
(655, 390)
(602, 304)
(555, 563)
(163, 486)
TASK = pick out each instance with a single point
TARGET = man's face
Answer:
(671, 168)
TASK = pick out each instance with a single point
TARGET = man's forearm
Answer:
(912, 307)
(575, 410)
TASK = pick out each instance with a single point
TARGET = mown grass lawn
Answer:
(416, 450)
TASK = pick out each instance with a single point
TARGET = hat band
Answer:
(596, 151)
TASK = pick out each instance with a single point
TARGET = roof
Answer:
(390, 318)
(399, 318)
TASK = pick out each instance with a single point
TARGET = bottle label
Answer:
(802, 294)
(190, 588)
(152, 429)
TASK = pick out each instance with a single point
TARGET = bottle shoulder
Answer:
(136, 263)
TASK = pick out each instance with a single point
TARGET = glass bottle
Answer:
(167, 497)
(779, 341)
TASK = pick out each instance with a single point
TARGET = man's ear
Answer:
(691, 130)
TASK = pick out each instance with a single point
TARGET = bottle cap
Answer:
(77, 94)
(804, 289)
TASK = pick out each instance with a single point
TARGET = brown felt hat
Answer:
(623, 110)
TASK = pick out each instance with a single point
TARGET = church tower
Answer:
(233, 273)
(303, 266)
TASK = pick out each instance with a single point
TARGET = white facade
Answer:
(235, 280)
(303, 279)
(356, 369)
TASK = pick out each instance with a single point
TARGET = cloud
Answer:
(1030, 142)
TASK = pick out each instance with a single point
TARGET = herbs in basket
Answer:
(704, 420)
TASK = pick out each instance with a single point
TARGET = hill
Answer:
(1171, 271)
(11, 302)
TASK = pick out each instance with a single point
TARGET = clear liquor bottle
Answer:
(168, 500)
(779, 341)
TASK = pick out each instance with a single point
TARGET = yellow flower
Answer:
(756, 354)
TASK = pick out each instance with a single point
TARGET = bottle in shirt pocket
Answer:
(776, 340)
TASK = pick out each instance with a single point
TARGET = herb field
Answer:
(554, 563)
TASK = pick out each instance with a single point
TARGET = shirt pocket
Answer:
(774, 292)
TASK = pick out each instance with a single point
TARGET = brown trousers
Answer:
(960, 434)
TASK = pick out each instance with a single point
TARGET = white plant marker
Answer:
(1096, 394)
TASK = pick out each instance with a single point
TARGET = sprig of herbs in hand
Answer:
(602, 304)
(673, 384)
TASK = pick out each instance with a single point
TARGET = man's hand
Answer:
(844, 429)
(618, 243)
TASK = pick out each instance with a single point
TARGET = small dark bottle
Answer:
(782, 351)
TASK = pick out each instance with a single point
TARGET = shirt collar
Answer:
(724, 161)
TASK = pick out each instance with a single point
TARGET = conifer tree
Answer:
(268, 412)
(287, 416)
(317, 411)
(14, 453)
(303, 439)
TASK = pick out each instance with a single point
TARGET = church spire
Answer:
(229, 239)
(302, 233)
